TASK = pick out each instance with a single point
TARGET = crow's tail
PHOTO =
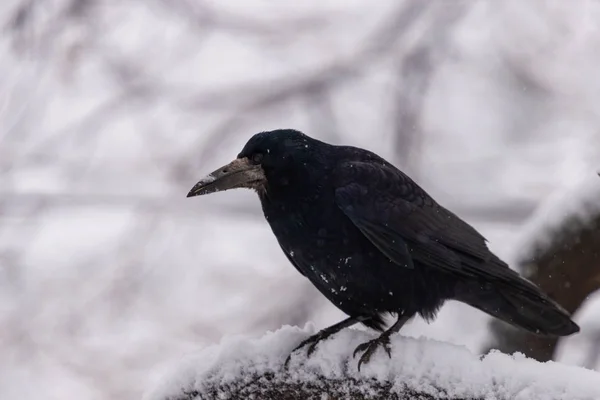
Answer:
(521, 304)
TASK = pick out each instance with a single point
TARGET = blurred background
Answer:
(111, 110)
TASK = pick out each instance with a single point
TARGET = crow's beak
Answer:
(240, 173)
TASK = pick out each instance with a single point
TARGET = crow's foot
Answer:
(370, 348)
(311, 342)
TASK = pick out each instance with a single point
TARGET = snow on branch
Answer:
(243, 368)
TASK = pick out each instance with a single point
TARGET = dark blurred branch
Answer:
(206, 17)
(416, 72)
(141, 204)
(257, 96)
(171, 205)
(319, 105)
(375, 46)
(35, 24)
(568, 269)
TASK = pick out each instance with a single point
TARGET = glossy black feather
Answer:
(374, 242)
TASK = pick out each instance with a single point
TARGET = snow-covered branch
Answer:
(242, 368)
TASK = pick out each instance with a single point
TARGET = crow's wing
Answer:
(399, 217)
(292, 261)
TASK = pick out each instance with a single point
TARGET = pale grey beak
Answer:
(240, 173)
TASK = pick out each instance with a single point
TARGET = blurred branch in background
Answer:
(256, 97)
(564, 260)
(117, 108)
(415, 74)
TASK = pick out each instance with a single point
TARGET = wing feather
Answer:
(409, 227)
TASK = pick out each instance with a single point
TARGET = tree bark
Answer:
(568, 269)
(270, 386)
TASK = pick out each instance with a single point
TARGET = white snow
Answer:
(207, 179)
(583, 349)
(424, 365)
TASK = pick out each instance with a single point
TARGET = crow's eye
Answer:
(257, 158)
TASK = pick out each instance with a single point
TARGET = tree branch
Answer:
(563, 259)
(243, 368)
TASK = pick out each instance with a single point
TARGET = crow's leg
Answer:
(313, 340)
(383, 340)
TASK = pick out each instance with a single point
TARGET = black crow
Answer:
(373, 242)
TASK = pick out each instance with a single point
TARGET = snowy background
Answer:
(111, 110)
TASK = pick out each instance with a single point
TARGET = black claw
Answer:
(388, 350)
(313, 341)
(362, 360)
(301, 345)
(311, 349)
(287, 361)
(366, 357)
(361, 347)
(370, 348)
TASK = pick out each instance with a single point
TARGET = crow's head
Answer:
(273, 159)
